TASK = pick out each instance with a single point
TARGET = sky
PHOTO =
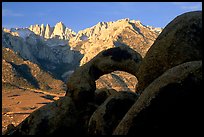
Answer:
(82, 15)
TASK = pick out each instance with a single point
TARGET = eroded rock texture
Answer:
(179, 42)
(107, 116)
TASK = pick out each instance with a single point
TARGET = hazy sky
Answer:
(81, 15)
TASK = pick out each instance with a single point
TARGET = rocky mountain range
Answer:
(106, 35)
(58, 50)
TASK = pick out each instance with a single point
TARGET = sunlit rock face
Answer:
(106, 35)
(59, 31)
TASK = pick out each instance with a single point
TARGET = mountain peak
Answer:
(125, 19)
(59, 30)
(60, 24)
(48, 25)
(42, 25)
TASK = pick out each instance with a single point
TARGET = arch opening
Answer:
(117, 80)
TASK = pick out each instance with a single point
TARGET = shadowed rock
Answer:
(81, 85)
(170, 103)
(102, 94)
(10, 129)
(107, 116)
(179, 42)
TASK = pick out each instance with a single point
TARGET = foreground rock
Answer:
(108, 115)
(55, 118)
(102, 94)
(179, 42)
(81, 85)
(170, 103)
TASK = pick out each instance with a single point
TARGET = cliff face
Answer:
(59, 31)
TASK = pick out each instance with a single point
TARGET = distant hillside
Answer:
(23, 73)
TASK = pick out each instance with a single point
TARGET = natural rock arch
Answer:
(81, 85)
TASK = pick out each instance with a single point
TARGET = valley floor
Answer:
(17, 104)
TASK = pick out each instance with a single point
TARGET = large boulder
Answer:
(81, 84)
(108, 115)
(179, 42)
(172, 102)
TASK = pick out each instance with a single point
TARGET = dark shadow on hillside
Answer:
(25, 72)
(119, 43)
(44, 103)
(45, 64)
(61, 68)
(56, 69)
(49, 97)
(136, 28)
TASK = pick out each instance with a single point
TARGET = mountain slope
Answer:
(25, 74)
(53, 55)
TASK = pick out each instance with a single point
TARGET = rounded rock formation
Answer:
(102, 94)
(107, 116)
(170, 103)
(179, 42)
